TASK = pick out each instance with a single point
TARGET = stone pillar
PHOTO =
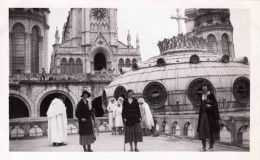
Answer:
(219, 47)
(88, 66)
(87, 26)
(41, 54)
(231, 49)
(113, 26)
(58, 67)
(83, 41)
(27, 69)
(46, 53)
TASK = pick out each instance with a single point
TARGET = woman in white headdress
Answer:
(147, 118)
(110, 108)
(117, 115)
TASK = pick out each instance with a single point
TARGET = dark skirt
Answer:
(133, 133)
(86, 139)
(204, 130)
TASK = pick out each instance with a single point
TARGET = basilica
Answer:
(90, 56)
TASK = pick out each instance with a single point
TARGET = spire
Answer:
(57, 37)
(128, 39)
(137, 41)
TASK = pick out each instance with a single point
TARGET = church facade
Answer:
(90, 44)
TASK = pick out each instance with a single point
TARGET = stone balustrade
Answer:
(234, 130)
(79, 77)
(38, 126)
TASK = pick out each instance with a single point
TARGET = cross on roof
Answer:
(179, 17)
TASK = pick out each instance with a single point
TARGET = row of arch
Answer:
(126, 63)
(155, 93)
(38, 130)
(212, 44)
(20, 108)
(71, 66)
(188, 130)
(18, 49)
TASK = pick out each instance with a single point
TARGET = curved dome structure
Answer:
(171, 82)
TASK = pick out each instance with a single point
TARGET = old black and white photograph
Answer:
(129, 79)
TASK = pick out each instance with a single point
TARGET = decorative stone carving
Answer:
(180, 43)
(241, 89)
(194, 90)
(155, 94)
(120, 92)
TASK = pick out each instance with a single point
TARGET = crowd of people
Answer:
(127, 116)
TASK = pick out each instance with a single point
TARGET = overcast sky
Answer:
(154, 24)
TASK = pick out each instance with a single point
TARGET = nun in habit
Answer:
(110, 108)
(117, 115)
(147, 119)
(57, 122)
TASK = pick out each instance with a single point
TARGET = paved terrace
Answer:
(107, 142)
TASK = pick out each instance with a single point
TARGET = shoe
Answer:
(136, 150)
(211, 149)
(90, 150)
(62, 144)
(55, 144)
(131, 149)
(203, 149)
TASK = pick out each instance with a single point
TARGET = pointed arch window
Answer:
(225, 46)
(35, 43)
(127, 63)
(79, 68)
(63, 65)
(18, 49)
(71, 67)
(212, 43)
(121, 63)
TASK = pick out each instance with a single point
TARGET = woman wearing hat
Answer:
(132, 117)
(208, 124)
(84, 113)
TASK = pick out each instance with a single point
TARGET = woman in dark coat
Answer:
(85, 118)
(208, 124)
(132, 119)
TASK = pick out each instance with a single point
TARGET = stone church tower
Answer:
(213, 25)
(28, 40)
(90, 43)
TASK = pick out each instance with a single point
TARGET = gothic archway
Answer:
(212, 43)
(17, 108)
(100, 61)
(45, 103)
(97, 105)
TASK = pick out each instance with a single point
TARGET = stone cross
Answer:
(179, 17)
